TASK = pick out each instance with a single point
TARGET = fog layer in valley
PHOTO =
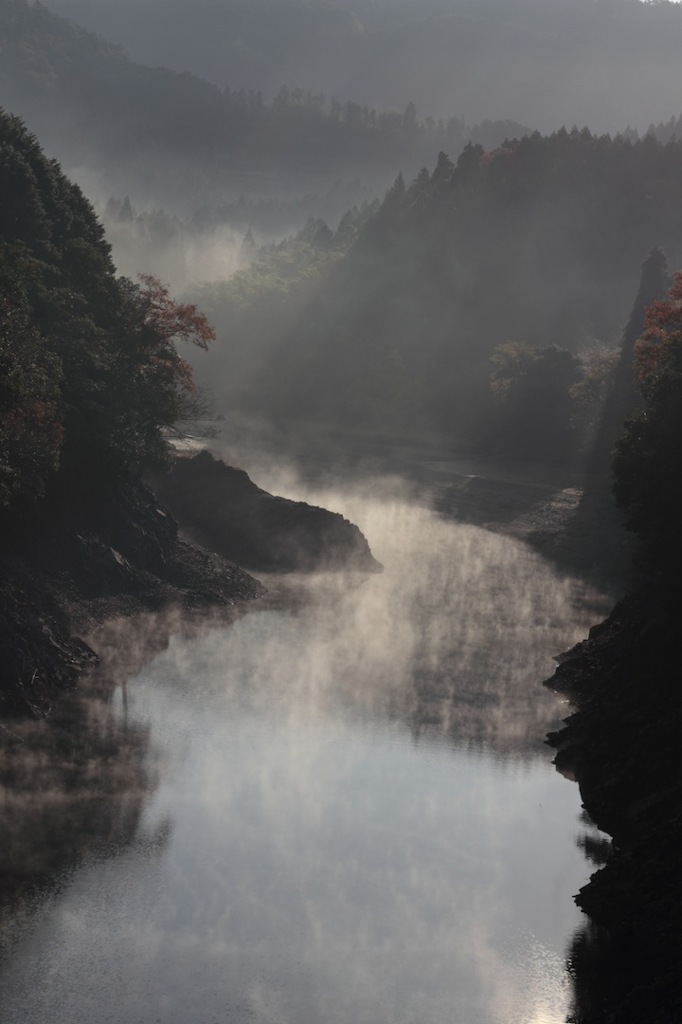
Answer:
(385, 316)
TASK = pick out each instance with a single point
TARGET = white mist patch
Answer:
(179, 256)
(213, 256)
(460, 628)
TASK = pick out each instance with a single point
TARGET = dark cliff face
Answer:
(221, 508)
(622, 743)
(84, 557)
(623, 746)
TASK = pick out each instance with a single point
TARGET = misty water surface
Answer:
(335, 807)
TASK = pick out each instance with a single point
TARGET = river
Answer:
(333, 806)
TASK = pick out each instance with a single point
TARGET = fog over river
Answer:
(331, 807)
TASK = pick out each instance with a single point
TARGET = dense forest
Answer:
(506, 270)
(193, 140)
(90, 372)
(91, 383)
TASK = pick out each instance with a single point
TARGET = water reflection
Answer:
(71, 787)
(602, 968)
(319, 874)
(323, 865)
(601, 963)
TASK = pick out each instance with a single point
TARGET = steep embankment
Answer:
(75, 564)
(117, 552)
(221, 508)
(622, 742)
(89, 378)
(622, 745)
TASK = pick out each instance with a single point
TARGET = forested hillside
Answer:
(90, 382)
(90, 373)
(538, 243)
(261, 304)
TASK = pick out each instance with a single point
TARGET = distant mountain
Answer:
(546, 63)
(83, 94)
(176, 134)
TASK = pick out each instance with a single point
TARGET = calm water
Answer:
(335, 807)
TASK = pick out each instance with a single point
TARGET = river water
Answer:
(331, 807)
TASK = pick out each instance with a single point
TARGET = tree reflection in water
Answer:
(603, 962)
(73, 787)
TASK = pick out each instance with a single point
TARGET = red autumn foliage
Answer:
(662, 327)
(507, 153)
(173, 319)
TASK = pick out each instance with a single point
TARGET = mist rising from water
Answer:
(360, 820)
(454, 638)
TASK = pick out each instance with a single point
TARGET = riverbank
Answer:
(622, 745)
(82, 559)
(74, 564)
(223, 510)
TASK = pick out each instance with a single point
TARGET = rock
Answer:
(221, 508)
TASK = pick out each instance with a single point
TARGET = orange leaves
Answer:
(172, 319)
(662, 330)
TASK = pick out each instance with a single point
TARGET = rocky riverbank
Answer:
(556, 514)
(72, 565)
(81, 560)
(221, 508)
(622, 745)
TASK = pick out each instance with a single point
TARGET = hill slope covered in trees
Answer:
(537, 243)
(90, 370)
(89, 380)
